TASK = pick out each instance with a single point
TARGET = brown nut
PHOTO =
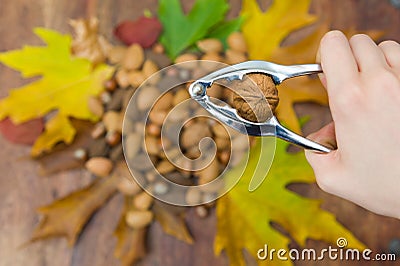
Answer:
(143, 201)
(165, 167)
(133, 58)
(117, 54)
(151, 145)
(192, 135)
(237, 42)
(113, 121)
(95, 106)
(193, 196)
(136, 78)
(147, 97)
(210, 45)
(164, 102)
(186, 58)
(158, 117)
(99, 166)
(180, 96)
(234, 57)
(149, 68)
(128, 186)
(122, 77)
(138, 219)
(132, 145)
(255, 101)
(209, 173)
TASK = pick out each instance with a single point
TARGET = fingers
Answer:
(337, 61)
(368, 55)
(391, 50)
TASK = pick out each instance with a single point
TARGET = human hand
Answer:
(363, 84)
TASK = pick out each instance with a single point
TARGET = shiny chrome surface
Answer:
(229, 116)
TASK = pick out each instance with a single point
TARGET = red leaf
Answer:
(25, 133)
(144, 31)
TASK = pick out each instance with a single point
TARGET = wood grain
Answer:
(22, 190)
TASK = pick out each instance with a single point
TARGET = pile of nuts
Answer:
(146, 146)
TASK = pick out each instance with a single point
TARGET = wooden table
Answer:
(22, 190)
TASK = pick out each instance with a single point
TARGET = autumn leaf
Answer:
(304, 89)
(264, 31)
(244, 218)
(62, 156)
(66, 217)
(66, 83)
(130, 242)
(301, 89)
(25, 133)
(143, 31)
(305, 50)
(57, 129)
(87, 42)
(171, 219)
(181, 31)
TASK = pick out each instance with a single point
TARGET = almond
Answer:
(158, 117)
(234, 57)
(149, 68)
(237, 42)
(95, 106)
(192, 135)
(164, 102)
(147, 97)
(128, 186)
(165, 167)
(138, 219)
(142, 201)
(186, 58)
(136, 78)
(132, 145)
(151, 145)
(209, 173)
(113, 121)
(180, 96)
(134, 57)
(117, 54)
(210, 45)
(122, 77)
(193, 196)
(99, 166)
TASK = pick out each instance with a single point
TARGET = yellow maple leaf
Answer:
(264, 31)
(244, 218)
(65, 84)
(301, 89)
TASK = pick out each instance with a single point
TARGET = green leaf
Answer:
(244, 218)
(181, 31)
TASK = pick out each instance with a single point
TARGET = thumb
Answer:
(321, 76)
(323, 163)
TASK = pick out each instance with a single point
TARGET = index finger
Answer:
(337, 61)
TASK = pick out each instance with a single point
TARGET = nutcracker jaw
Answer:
(229, 115)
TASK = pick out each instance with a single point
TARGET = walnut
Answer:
(255, 102)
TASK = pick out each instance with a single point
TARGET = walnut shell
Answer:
(255, 102)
